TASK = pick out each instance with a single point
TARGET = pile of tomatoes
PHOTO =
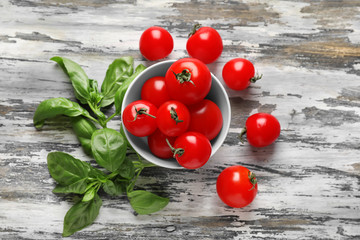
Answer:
(180, 122)
(174, 114)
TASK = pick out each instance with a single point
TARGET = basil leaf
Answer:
(120, 93)
(144, 202)
(81, 215)
(90, 194)
(98, 174)
(123, 134)
(65, 169)
(57, 106)
(84, 129)
(78, 78)
(117, 72)
(78, 187)
(95, 95)
(109, 148)
(116, 187)
(127, 169)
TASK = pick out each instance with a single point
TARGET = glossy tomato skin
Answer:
(197, 150)
(188, 92)
(205, 44)
(206, 118)
(154, 91)
(262, 129)
(143, 125)
(156, 43)
(237, 73)
(158, 145)
(166, 118)
(235, 188)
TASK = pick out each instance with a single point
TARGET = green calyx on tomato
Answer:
(175, 116)
(141, 111)
(176, 151)
(184, 76)
(256, 78)
(252, 178)
(195, 28)
(242, 133)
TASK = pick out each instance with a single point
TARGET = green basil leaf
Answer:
(95, 95)
(90, 194)
(116, 187)
(57, 106)
(120, 93)
(123, 134)
(65, 169)
(119, 70)
(98, 174)
(78, 187)
(81, 215)
(109, 148)
(144, 202)
(78, 78)
(127, 169)
(84, 129)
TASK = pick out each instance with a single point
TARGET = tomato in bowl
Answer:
(217, 94)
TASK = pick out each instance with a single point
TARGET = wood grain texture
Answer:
(309, 180)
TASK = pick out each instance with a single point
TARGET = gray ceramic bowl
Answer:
(217, 94)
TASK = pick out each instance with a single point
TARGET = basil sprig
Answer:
(120, 165)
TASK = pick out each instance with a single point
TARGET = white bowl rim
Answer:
(215, 147)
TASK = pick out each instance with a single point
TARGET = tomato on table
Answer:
(206, 118)
(154, 91)
(237, 186)
(261, 129)
(238, 73)
(188, 80)
(205, 44)
(192, 150)
(159, 146)
(156, 43)
(173, 118)
(139, 118)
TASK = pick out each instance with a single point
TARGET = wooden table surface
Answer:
(309, 180)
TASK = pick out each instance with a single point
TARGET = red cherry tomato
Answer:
(154, 91)
(205, 44)
(158, 145)
(206, 118)
(238, 73)
(139, 118)
(262, 129)
(236, 186)
(173, 118)
(156, 43)
(192, 150)
(188, 80)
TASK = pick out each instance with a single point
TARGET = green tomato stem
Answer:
(241, 135)
(256, 78)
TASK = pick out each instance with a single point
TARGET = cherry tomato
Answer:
(156, 43)
(206, 118)
(238, 73)
(262, 129)
(139, 118)
(173, 118)
(192, 150)
(236, 186)
(159, 146)
(205, 44)
(188, 80)
(154, 91)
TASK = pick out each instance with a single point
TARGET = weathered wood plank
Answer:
(309, 181)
